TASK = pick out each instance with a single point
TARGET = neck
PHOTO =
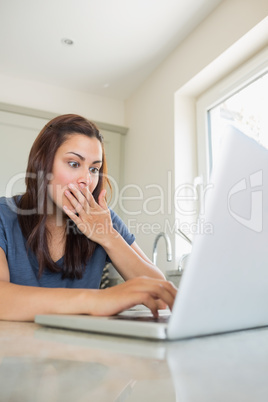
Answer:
(56, 222)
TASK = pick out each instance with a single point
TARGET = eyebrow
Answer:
(82, 157)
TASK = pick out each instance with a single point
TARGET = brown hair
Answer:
(78, 248)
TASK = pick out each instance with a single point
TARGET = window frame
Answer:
(223, 89)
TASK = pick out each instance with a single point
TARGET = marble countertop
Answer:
(40, 364)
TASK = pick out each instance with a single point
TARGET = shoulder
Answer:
(115, 218)
(10, 233)
(121, 227)
(3, 201)
(8, 208)
(113, 214)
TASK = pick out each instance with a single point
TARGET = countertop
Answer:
(52, 365)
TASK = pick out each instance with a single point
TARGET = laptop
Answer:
(225, 284)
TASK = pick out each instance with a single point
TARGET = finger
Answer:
(150, 303)
(161, 305)
(158, 289)
(75, 196)
(164, 297)
(72, 215)
(90, 199)
(97, 208)
(82, 226)
(74, 202)
(146, 299)
(152, 289)
(78, 196)
(102, 200)
(153, 304)
(171, 288)
(168, 294)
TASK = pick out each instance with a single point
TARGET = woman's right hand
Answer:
(153, 293)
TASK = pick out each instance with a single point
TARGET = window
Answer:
(241, 100)
(246, 109)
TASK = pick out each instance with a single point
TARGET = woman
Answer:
(56, 238)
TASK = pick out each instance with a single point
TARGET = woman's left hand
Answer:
(93, 219)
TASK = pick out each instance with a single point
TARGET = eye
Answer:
(94, 170)
(73, 164)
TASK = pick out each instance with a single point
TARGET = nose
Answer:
(85, 179)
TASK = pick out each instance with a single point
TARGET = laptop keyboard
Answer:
(161, 319)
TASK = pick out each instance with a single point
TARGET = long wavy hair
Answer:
(33, 203)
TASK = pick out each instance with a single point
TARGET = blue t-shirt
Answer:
(23, 264)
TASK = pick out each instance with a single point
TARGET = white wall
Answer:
(49, 98)
(156, 112)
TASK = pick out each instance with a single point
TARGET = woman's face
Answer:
(77, 161)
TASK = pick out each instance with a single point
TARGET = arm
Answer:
(95, 222)
(22, 303)
(130, 261)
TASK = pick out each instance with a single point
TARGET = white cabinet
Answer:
(17, 133)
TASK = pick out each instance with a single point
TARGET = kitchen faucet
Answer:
(168, 247)
(182, 261)
(183, 235)
(184, 256)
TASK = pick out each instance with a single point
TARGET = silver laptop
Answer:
(225, 284)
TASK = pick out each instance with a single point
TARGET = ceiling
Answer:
(117, 44)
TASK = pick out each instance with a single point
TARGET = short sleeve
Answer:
(3, 239)
(122, 229)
